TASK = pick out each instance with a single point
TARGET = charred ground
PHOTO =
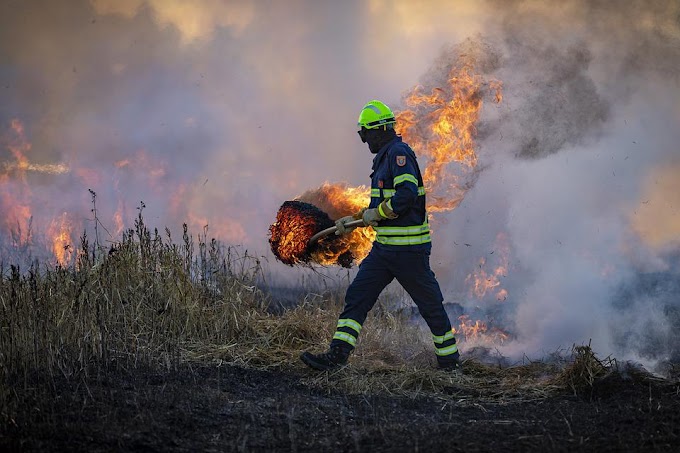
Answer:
(235, 408)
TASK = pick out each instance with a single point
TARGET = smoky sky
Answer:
(217, 112)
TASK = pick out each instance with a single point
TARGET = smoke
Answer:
(195, 21)
(186, 106)
(215, 112)
(580, 167)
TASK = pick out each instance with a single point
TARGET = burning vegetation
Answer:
(17, 235)
(296, 223)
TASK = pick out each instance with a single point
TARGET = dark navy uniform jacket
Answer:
(396, 177)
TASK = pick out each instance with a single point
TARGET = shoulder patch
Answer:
(401, 160)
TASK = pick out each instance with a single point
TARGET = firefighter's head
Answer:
(376, 125)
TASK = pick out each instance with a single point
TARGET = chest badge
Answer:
(401, 160)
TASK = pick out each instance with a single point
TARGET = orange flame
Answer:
(482, 282)
(59, 233)
(15, 198)
(118, 220)
(441, 126)
(339, 200)
(479, 332)
(19, 147)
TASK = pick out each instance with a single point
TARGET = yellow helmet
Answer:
(375, 114)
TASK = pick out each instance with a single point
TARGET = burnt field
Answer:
(156, 346)
(236, 408)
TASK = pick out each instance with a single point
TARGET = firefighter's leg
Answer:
(412, 270)
(372, 278)
(361, 295)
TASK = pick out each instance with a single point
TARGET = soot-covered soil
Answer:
(230, 408)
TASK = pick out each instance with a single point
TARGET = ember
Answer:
(296, 222)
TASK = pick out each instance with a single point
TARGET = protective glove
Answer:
(371, 217)
(340, 225)
(374, 215)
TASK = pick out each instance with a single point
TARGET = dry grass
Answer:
(583, 371)
(152, 303)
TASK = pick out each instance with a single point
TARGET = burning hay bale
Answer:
(296, 223)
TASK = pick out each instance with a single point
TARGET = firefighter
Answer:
(401, 249)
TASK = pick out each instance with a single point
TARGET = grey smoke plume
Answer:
(588, 115)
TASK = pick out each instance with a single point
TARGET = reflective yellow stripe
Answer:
(403, 178)
(352, 324)
(402, 230)
(389, 193)
(345, 337)
(439, 339)
(380, 210)
(408, 240)
(403, 235)
(446, 351)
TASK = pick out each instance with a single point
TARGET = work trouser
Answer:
(412, 271)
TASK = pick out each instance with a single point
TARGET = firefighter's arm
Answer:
(372, 216)
(404, 170)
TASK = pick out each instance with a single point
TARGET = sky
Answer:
(216, 112)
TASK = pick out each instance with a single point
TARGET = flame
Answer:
(15, 198)
(24, 210)
(17, 219)
(482, 281)
(118, 219)
(19, 147)
(297, 221)
(340, 200)
(59, 233)
(25, 165)
(441, 127)
(479, 332)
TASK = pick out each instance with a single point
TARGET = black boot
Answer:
(334, 358)
(450, 363)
